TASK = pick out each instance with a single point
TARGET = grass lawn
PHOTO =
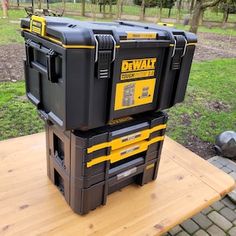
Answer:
(10, 29)
(210, 105)
(17, 115)
(211, 83)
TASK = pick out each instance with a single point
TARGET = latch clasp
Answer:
(105, 54)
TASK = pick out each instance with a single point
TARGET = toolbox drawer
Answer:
(86, 153)
(84, 199)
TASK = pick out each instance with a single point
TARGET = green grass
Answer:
(17, 115)
(10, 27)
(210, 82)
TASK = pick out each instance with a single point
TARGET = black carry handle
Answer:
(49, 69)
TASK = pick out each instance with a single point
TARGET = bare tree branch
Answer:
(210, 4)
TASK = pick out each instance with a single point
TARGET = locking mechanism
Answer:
(104, 55)
(178, 51)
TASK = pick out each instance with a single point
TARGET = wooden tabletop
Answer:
(30, 204)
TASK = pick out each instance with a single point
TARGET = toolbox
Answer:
(82, 75)
(88, 165)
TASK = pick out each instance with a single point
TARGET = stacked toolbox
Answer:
(92, 164)
(99, 87)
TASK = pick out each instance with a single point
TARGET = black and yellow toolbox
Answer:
(88, 165)
(81, 75)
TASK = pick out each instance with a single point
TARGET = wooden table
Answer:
(30, 204)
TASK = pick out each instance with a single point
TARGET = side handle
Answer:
(49, 70)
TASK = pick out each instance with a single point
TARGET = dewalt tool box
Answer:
(81, 75)
(88, 165)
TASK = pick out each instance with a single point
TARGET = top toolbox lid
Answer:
(67, 31)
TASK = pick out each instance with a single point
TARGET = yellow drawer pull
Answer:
(125, 152)
(126, 140)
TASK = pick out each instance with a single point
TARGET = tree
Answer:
(169, 4)
(191, 6)
(199, 7)
(110, 8)
(142, 12)
(119, 8)
(83, 8)
(5, 5)
(227, 6)
(39, 4)
(179, 4)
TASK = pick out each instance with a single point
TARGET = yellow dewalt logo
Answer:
(138, 64)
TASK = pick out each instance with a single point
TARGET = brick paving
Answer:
(218, 219)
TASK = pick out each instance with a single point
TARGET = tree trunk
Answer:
(169, 13)
(83, 8)
(225, 16)
(119, 8)
(160, 14)
(64, 6)
(196, 17)
(142, 13)
(122, 6)
(191, 6)
(39, 4)
(5, 5)
(179, 11)
(110, 8)
(93, 7)
(201, 17)
(104, 9)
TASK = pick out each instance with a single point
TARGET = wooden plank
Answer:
(31, 205)
(197, 166)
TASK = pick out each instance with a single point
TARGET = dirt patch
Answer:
(212, 46)
(203, 149)
(185, 119)
(218, 106)
(11, 62)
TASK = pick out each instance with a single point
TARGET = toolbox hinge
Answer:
(105, 53)
(179, 50)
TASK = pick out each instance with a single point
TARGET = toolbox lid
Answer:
(67, 31)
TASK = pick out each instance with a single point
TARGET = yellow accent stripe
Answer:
(191, 44)
(60, 43)
(64, 45)
(125, 152)
(119, 142)
(188, 44)
(150, 166)
(141, 35)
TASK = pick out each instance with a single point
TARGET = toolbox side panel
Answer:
(86, 99)
(41, 89)
(184, 75)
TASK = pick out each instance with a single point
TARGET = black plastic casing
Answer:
(66, 87)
